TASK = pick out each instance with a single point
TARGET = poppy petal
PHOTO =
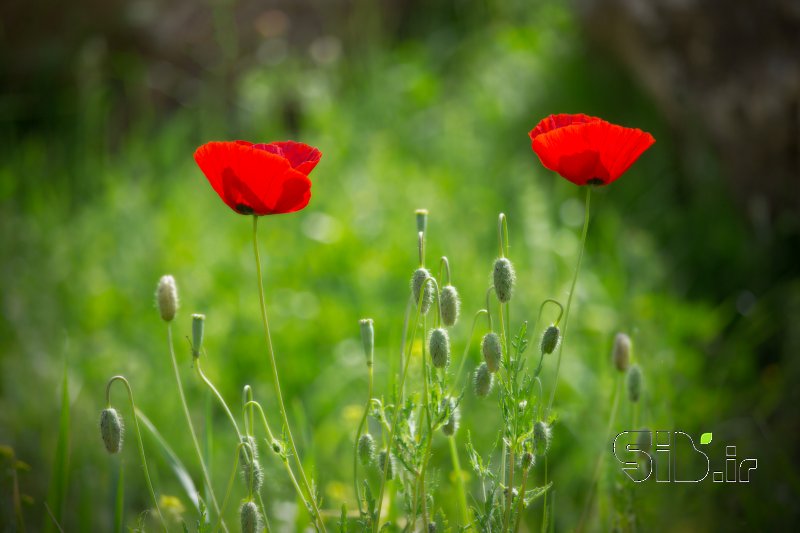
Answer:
(302, 157)
(553, 122)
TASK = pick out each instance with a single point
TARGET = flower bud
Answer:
(251, 518)
(527, 460)
(198, 325)
(167, 297)
(451, 305)
(366, 449)
(422, 220)
(634, 382)
(542, 435)
(550, 339)
(253, 475)
(504, 278)
(483, 381)
(382, 457)
(111, 429)
(422, 277)
(248, 454)
(368, 338)
(451, 426)
(621, 353)
(492, 351)
(439, 346)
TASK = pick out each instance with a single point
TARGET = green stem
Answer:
(521, 499)
(138, 441)
(276, 380)
(219, 397)
(463, 362)
(571, 294)
(462, 491)
(358, 436)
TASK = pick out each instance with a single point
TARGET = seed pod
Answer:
(111, 429)
(451, 305)
(550, 339)
(251, 518)
(422, 220)
(542, 435)
(634, 382)
(248, 455)
(198, 325)
(483, 381)
(451, 426)
(366, 449)
(167, 297)
(382, 463)
(504, 278)
(492, 351)
(253, 475)
(368, 339)
(527, 460)
(621, 353)
(439, 346)
(644, 440)
(422, 277)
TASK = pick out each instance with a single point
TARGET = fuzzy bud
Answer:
(251, 518)
(422, 220)
(167, 297)
(451, 305)
(483, 381)
(439, 346)
(621, 353)
(111, 429)
(366, 449)
(451, 426)
(422, 277)
(527, 460)
(248, 454)
(368, 338)
(634, 383)
(382, 457)
(253, 475)
(492, 351)
(198, 325)
(550, 339)
(504, 278)
(542, 435)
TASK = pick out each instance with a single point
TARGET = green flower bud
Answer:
(621, 353)
(111, 429)
(542, 435)
(368, 338)
(492, 351)
(248, 455)
(451, 305)
(504, 278)
(527, 460)
(451, 426)
(439, 346)
(634, 382)
(253, 475)
(366, 449)
(251, 518)
(550, 339)
(422, 277)
(167, 298)
(382, 457)
(483, 381)
(198, 325)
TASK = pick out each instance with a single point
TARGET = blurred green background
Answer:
(414, 104)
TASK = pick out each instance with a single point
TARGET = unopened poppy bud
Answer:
(422, 277)
(644, 440)
(368, 339)
(366, 449)
(198, 325)
(483, 381)
(621, 352)
(451, 305)
(422, 220)
(550, 339)
(167, 297)
(439, 346)
(382, 458)
(111, 429)
(542, 435)
(504, 278)
(249, 452)
(253, 475)
(527, 460)
(277, 447)
(250, 517)
(492, 351)
(451, 426)
(634, 382)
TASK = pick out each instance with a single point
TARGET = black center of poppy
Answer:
(244, 209)
(595, 181)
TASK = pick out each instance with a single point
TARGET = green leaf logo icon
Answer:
(705, 438)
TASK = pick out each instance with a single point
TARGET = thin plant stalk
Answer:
(358, 436)
(219, 397)
(138, 441)
(521, 499)
(276, 380)
(462, 491)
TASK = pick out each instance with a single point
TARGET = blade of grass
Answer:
(57, 493)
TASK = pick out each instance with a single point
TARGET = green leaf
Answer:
(705, 438)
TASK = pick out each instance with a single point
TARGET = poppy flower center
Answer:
(595, 181)
(244, 209)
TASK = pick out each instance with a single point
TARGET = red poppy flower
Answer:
(259, 179)
(587, 150)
